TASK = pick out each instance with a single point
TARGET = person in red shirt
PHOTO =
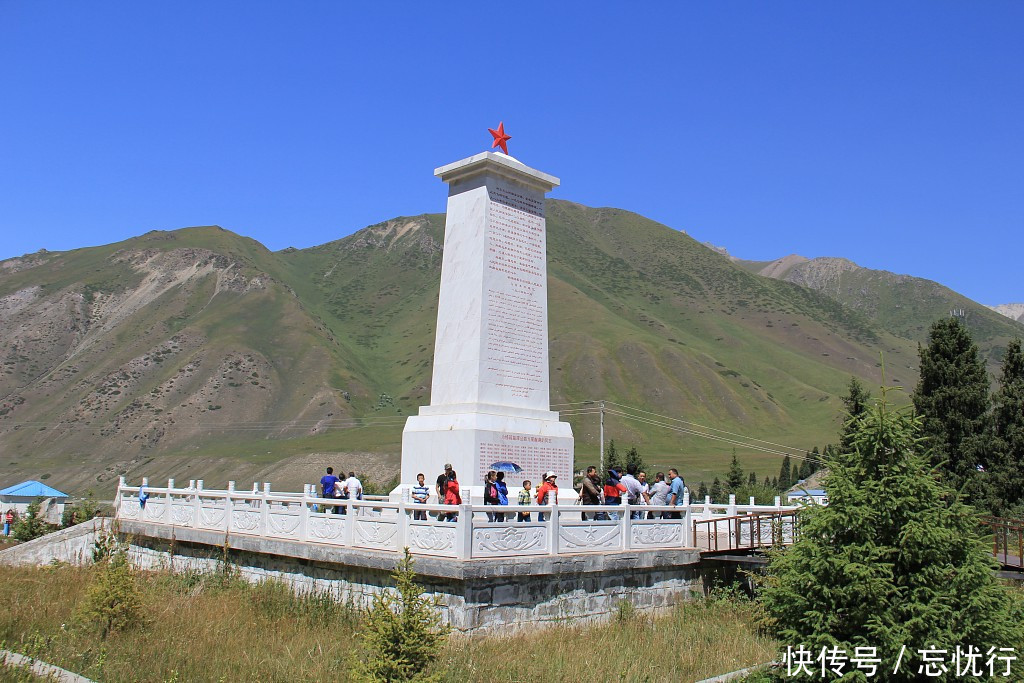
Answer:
(8, 521)
(547, 493)
(452, 496)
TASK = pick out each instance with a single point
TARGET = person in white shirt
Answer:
(353, 487)
(659, 494)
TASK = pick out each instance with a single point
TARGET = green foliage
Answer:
(611, 459)
(856, 402)
(703, 492)
(633, 457)
(114, 601)
(752, 478)
(785, 474)
(734, 479)
(30, 525)
(763, 495)
(717, 493)
(403, 634)
(1007, 465)
(83, 512)
(951, 399)
(895, 558)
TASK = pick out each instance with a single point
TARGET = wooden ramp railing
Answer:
(1007, 540)
(757, 531)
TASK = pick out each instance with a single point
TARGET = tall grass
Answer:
(216, 627)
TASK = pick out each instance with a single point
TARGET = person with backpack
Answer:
(490, 492)
(547, 493)
(613, 490)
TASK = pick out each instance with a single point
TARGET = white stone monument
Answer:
(489, 404)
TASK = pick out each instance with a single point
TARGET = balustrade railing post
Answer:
(169, 498)
(464, 532)
(197, 504)
(778, 501)
(121, 483)
(624, 524)
(229, 505)
(304, 513)
(688, 535)
(402, 528)
(553, 522)
(707, 507)
(752, 503)
(265, 509)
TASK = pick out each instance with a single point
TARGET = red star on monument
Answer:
(499, 137)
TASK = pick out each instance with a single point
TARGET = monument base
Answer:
(476, 438)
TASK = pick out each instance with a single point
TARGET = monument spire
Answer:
(489, 398)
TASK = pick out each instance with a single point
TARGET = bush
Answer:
(113, 601)
(403, 634)
(31, 525)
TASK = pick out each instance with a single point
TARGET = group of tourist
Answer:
(631, 485)
(332, 486)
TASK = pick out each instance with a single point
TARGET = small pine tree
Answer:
(752, 479)
(113, 602)
(768, 483)
(895, 558)
(1007, 471)
(717, 494)
(30, 525)
(786, 474)
(403, 633)
(611, 459)
(633, 457)
(734, 479)
(702, 492)
(775, 484)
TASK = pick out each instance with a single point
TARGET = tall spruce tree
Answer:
(1007, 467)
(895, 560)
(734, 479)
(786, 474)
(752, 479)
(856, 402)
(951, 399)
(716, 493)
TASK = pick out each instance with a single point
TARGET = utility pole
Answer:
(601, 471)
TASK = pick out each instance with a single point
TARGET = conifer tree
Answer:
(633, 457)
(752, 479)
(785, 474)
(894, 560)
(717, 495)
(856, 402)
(952, 400)
(403, 633)
(702, 492)
(734, 479)
(768, 482)
(1007, 470)
(611, 459)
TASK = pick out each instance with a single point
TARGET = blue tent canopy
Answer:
(33, 489)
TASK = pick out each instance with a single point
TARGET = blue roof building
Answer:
(20, 496)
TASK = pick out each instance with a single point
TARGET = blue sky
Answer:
(888, 133)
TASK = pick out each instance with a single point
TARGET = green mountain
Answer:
(198, 353)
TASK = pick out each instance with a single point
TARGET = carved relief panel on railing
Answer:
(427, 539)
(655, 535)
(375, 533)
(129, 508)
(283, 522)
(182, 511)
(213, 515)
(504, 541)
(593, 537)
(155, 511)
(327, 528)
(245, 520)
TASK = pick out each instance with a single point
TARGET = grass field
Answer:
(212, 628)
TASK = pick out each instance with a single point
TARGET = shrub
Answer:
(403, 634)
(113, 602)
(31, 525)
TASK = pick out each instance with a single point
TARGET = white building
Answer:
(816, 496)
(20, 496)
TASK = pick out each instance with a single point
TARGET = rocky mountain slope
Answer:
(1012, 311)
(198, 353)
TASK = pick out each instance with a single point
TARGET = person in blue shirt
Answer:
(328, 485)
(502, 495)
(675, 492)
